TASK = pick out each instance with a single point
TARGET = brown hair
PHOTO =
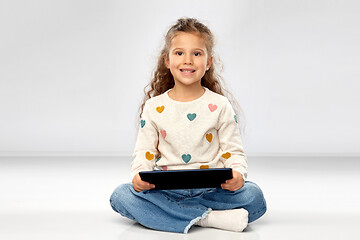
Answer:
(163, 80)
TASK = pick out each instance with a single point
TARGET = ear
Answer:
(209, 62)
(166, 60)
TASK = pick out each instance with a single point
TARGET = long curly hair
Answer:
(162, 79)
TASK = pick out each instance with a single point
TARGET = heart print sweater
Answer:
(199, 134)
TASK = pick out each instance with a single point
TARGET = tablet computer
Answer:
(186, 179)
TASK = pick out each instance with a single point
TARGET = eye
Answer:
(197, 54)
(179, 53)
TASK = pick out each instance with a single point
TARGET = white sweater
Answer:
(199, 134)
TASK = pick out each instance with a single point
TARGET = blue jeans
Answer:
(178, 210)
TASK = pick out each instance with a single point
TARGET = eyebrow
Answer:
(195, 49)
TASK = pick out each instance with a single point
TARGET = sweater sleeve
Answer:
(145, 152)
(230, 141)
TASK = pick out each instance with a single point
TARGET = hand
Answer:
(235, 183)
(140, 185)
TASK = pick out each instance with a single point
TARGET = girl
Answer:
(188, 123)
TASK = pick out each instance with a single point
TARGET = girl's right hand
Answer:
(140, 185)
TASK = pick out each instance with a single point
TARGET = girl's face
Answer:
(187, 59)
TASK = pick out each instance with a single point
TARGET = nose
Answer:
(188, 59)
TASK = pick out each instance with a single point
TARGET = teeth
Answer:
(187, 70)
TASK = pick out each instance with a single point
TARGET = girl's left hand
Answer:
(235, 183)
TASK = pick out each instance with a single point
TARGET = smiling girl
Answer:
(188, 123)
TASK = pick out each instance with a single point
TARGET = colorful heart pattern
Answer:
(149, 156)
(212, 107)
(186, 158)
(191, 116)
(209, 137)
(160, 109)
(226, 155)
(204, 167)
(163, 133)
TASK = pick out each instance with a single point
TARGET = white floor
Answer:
(67, 198)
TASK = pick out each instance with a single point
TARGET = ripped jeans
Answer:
(178, 210)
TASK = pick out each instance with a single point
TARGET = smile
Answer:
(187, 70)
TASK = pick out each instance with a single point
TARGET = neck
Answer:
(183, 93)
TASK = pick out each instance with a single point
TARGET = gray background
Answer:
(71, 80)
(72, 72)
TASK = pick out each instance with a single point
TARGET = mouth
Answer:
(186, 70)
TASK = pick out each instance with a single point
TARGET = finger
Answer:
(137, 189)
(230, 182)
(140, 186)
(225, 186)
(233, 186)
(228, 188)
(148, 186)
